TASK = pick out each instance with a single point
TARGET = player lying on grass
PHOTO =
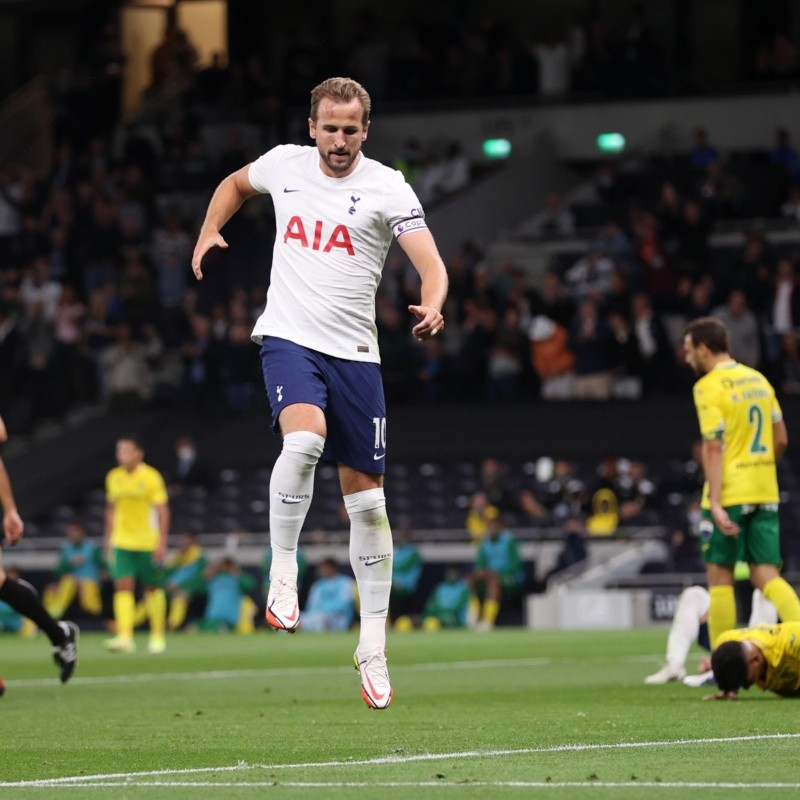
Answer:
(689, 625)
(768, 656)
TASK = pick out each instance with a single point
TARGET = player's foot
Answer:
(702, 679)
(66, 654)
(283, 611)
(120, 644)
(375, 687)
(2, 688)
(156, 645)
(667, 673)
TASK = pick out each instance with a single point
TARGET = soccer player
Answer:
(498, 573)
(136, 527)
(744, 435)
(80, 570)
(21, 596)
(689, 625)
(336, 212)
(768, 656)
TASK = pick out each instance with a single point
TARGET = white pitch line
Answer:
(443, 784)
(269, 672)
(89, 780)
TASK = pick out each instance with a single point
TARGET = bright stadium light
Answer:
(497, 148)
(610, 142)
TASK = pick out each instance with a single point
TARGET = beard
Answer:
(339, 161)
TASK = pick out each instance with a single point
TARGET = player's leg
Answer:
(123, 572)
(720, 553)
(22, 597)
(90, 597)
(763, 612)
(297, 396)
(692, 606)
(356, 417)
(58, 597)
(763, 554)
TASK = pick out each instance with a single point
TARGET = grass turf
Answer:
(508, 714)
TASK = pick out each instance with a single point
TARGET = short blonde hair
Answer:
(340, 90)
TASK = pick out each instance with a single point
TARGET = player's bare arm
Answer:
(712, 464)
(163, 527)
(780, 439)
(420, 248)
(13, 527)
(225, 202)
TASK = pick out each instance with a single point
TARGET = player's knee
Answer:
(305, 446)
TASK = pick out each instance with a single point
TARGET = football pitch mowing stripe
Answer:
(509, 714)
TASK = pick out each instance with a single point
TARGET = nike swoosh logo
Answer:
(287, 191)
(376, 457)
(378, 697)
(291, 502)
(375, 561)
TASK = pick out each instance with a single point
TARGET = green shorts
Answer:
(135, 564)
(758, 541)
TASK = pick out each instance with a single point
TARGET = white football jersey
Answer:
(331, 242)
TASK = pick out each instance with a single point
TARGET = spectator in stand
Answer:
(331, 604)
(553, 57)
(556, 219)
(781, 352)
(590, 275)
(497, 577)
(448, 604)
(455, 169)
(479, 514)
(127, 378)
(188, 469)
(783, 153)
(591, 342)
(692, 232)
(699, 301)
(791, 207)
(656, 361)
(507, 359)
(721, 192)
(574, 550)
(702, 152)
(654, 264)
(742, 325)
(551, 358)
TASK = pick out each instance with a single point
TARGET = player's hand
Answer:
(431, 322)
(204, 243)
(722, 696)
(723, 521)
(13, 527)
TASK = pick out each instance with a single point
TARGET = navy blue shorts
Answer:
(349, 392)
(702, 636)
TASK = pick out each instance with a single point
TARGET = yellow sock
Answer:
(58, 600)
(124, 611)
(156, 600)
(247, 613)
(491, 608)
(91, 600)
(178, 609)
(140, 614)
(473, 610)
(721, 611)
(784, 598)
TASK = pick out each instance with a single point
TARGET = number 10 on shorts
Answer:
(380, 432)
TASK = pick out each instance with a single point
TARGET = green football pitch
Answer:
(507, 714)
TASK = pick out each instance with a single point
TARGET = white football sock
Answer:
(371, 554)
(291, 488)
(762, 611)
(692, 606)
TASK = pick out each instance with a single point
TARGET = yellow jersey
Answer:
(737, 404)
(135, 496)
(780, 645)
